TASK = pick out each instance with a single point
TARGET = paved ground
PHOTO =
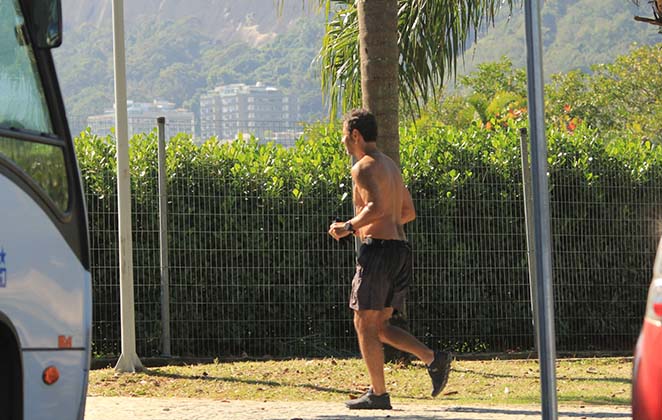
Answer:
(121, 408)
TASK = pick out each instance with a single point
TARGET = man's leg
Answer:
(367, 324)
(438, 364)
(401, 339)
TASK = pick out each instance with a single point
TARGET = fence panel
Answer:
(255, 273)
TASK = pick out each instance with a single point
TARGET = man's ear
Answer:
(356, 135)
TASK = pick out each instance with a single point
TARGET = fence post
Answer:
(528, 212)
(541, 210)
(163, 240)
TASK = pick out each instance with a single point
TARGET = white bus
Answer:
(45, 287)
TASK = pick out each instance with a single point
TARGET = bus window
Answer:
(22, 103)
(43, 163)
(23, 107)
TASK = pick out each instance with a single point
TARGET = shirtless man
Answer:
(383, 270)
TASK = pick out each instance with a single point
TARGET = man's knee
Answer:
(371, 323)
(382, 330)
(367, 322)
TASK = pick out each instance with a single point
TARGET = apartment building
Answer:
(262, 111)
(142, 119)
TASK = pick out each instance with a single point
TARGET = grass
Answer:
(592, 381)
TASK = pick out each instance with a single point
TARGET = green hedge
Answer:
(253, 271)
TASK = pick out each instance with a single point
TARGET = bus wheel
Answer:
(11, 390)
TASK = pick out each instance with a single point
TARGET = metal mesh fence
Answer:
(470, 269)
(103, 220)
(252, 273)
(604, 245)
(248, 289)
(241, 255)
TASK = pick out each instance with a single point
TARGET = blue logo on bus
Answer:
(3, 268)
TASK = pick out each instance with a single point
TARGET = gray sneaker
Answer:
(370, 401)
(439, 370)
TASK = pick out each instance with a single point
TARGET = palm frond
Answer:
(340, 62)
(432, 34)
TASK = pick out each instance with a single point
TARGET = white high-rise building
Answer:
(142, 119)
(258, 110)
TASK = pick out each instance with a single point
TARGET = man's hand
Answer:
(337, 230)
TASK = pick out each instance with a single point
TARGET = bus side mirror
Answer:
(46, 23)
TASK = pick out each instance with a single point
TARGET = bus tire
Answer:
(11, 389)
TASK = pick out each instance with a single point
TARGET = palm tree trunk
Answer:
(379, 53)
(378, 42)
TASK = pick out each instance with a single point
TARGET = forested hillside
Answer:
(176, 50)
(253, 21)
(176, 61)
(576, 34)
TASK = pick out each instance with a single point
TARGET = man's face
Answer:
(346, 141)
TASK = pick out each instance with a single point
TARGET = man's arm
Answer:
(408, 212)
(369, 190)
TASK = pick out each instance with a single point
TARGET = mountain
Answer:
(178, 49)
(251, 21)
(575, 33)
(175, 55)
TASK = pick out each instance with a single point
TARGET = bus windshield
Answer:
(24, 113)
(22, 103)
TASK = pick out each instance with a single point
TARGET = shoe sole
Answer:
(366, 405)
(447, 369)
(370, 408)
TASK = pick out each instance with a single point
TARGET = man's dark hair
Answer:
(364, 121)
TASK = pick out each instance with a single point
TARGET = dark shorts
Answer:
(383, 273)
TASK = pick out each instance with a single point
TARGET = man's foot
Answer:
(439, 370)
(370, 401)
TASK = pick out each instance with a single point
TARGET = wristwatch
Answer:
(348, 227)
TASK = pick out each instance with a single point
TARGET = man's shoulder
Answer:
(368, 165)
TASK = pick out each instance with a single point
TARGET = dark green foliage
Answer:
(253, 271)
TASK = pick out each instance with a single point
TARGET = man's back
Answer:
(378, 183)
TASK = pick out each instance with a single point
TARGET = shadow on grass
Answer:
(344, 392)
(586, 379)
(593, 400)
(151, 372)
(596, 400)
